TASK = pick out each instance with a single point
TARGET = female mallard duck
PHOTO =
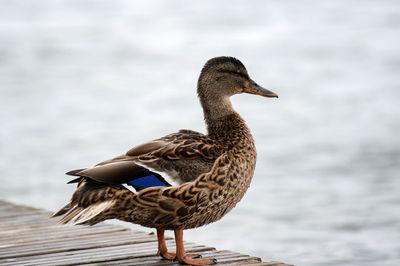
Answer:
(213, 170)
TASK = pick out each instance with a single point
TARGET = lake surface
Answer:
(83, 81)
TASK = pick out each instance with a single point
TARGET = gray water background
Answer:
(83, 81)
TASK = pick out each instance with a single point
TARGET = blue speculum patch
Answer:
(148, 181)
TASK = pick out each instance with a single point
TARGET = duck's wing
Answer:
(180, 156)
(186, 206)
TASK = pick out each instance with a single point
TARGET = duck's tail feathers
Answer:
(76, 180)
(90, 203)
(75, 172)
(64, 210)
(88, 215)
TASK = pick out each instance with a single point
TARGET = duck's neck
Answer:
(223, 122)
(216, 109)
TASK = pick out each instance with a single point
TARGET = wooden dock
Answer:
(29, 237)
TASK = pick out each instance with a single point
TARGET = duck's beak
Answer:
(254, 88)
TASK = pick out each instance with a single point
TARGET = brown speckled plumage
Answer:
(214, 170)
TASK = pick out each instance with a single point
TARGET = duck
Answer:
(183, 180)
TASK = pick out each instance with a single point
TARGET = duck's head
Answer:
(222, 77)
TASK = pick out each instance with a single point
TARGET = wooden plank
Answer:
(30, 221)
(7, 210)
(16, 213)
(26, 235)
(221, 256)
(74, 242)
(29, 237)
(97, 255)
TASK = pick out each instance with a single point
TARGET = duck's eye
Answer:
(236, 73)
(220, 78)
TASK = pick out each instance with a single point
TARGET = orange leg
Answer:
(181, 255)
(162, 247)
(163, 251)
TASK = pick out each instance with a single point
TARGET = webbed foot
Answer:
(191, 261)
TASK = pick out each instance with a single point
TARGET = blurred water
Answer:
(82, 81)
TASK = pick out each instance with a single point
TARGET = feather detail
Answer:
(153, 180)
(80, 215)
(64, 210)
